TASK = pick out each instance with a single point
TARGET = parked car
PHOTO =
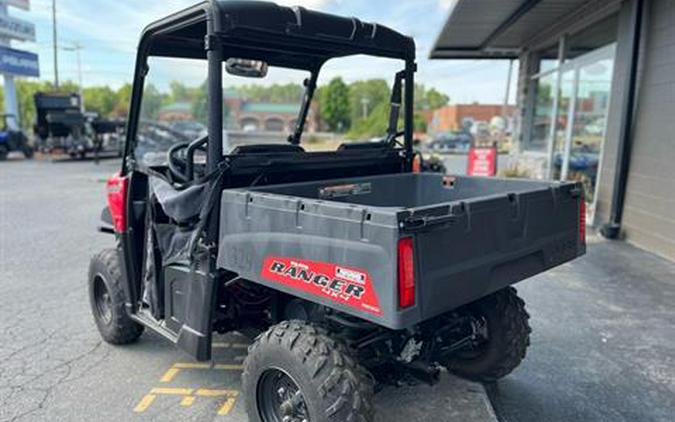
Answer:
(12, 139)
(452, 142)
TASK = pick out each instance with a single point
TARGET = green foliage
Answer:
(334, 104)
(101, 99)
(152, 102)
(430, 99)
(366, 96)
(276, 93)
(375, 125)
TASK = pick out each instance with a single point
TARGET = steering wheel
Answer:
(391, 139)
(180, 158)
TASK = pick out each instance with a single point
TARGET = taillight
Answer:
(582, 220)
(117, 194)
(406, 273)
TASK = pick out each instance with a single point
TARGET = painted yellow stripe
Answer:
(187, 401)
(192, 365)
(172, 391)
(220, 345)
(221, 366)
(207, 392)
(145, 402)
(170, 375)
(226, 407)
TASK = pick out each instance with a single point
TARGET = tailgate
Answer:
(467, 250)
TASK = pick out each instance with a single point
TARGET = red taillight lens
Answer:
(582, 220)
(406, 273)
(117, 194)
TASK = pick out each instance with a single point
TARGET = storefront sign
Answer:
(16, 29)
(17, 62)
(20, 4)
(482, 162)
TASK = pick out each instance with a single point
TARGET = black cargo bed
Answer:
(471, 235)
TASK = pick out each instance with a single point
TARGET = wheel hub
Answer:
(280, 399)
(103, 301)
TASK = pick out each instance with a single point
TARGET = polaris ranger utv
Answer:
(348, 268)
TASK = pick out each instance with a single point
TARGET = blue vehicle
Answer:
(13, 140)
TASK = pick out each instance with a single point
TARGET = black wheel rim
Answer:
(280, 399)
(102, 301)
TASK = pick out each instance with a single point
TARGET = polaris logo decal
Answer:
(346, 285)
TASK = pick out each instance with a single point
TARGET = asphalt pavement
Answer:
(53, 364)
(603, 342)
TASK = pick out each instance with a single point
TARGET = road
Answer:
(53, 365)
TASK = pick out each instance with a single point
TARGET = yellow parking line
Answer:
(170, 374)
(207, 392)
(172, 391)
(192, 365)
(145, 402)
(221, 366)
(226, 407)
(187, 401)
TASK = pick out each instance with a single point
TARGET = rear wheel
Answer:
(106, 296)
(505, 336)
(4, 152)
(295, 372)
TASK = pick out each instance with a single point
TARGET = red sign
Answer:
(482, 162)
(346, 285)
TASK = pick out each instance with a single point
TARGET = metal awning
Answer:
(497, 29)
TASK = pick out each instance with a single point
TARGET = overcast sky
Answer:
(109, 31)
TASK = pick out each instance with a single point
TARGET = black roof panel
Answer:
(283, 36)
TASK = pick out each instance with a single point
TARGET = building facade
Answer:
(596, 100)
(455, 116)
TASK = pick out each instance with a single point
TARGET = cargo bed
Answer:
(337, 242)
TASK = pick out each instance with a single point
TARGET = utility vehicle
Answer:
(349, 269)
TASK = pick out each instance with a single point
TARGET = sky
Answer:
(108, 31)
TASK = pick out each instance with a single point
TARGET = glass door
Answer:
(588, 93)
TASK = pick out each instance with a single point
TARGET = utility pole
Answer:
(76, 48)
(56, 54)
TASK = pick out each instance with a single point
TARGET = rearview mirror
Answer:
(246, 68)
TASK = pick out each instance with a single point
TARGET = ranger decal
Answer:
(339, 283)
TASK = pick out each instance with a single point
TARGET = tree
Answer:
(122, 101)
(101, 99)
(366, 96)
(152, 102)
(436, 99)
(334, 105)
(430, 99)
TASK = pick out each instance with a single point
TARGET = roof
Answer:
(282, 36)
(497, 28)
(290, 108)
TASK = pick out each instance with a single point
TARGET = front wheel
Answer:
(106, 296)
(505, 336)
(295, 372)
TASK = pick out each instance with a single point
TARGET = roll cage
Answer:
(294, 38)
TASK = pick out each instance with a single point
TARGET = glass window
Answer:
(543, 108)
